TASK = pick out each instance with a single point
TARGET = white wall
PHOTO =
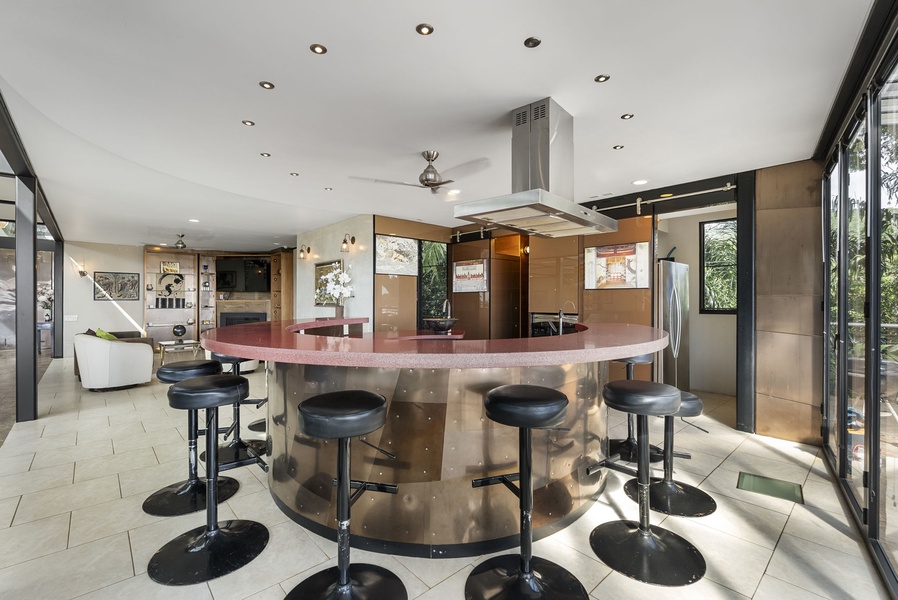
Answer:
(325, 244)
(79, 296)
(712, 338)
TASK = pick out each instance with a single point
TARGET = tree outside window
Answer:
(433, 281)
(718, 266)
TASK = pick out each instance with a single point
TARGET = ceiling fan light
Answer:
(180, 245)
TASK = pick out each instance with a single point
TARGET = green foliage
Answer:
(434, 280)
(719, 251)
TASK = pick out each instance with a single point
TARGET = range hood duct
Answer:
(542, 180)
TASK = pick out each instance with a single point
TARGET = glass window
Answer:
(718, 266)
(433, 282)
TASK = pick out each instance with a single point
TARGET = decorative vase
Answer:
(338, 311)
(48, 316)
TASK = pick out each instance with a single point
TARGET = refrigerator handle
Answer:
(675, 325)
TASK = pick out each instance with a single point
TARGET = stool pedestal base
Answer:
(366, 582)
(627, 450)
(186, 497)
(501, 577)
(674, 498)
(655, 556)
(200, 555)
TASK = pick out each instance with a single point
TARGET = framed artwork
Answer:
(226, 280)
(116, 286)
(395, 255)
(322, 298)
(167, 266)
(620, 266)
(470, 276)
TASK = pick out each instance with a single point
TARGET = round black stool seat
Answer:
(210, 391)
(642, 397)
(626, 448)
(530, 406)
(690, 405)
(186, 369)
(343, 414)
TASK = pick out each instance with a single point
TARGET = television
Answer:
(243, 274)
(620, 266)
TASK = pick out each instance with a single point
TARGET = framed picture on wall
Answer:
(621, 266)
(470, 276)
(395, 256)
(116, 286)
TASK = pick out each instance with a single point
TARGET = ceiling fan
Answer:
(431, 179)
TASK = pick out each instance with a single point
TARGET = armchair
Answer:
(108, 364)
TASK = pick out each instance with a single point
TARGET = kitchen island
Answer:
(436, 428)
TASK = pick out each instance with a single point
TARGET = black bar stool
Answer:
(642, 551)
(523, 575)
(343, 415)
(188, 496)
(626, 449)
(214, 549)
(666, 495)
(239, 451)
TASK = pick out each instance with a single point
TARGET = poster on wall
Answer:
(395, 256)
(116, 286)
(469, 276)
(621, 266)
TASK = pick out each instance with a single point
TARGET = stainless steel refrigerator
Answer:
(672, 315)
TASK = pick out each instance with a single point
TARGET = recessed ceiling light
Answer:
(608, 194)
(163, 244)
(640, 182)
(317, 48)
(294, 174)
(328, 189)
(626, 116)
(665, 195)
(532, 42)
(424, 29)
(602, 78)
(454, 192)
(618, 147)
(194, 220)
(265, 154)
(248, 123)
(267, 85)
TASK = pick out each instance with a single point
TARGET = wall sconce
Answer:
(347, 240)
(303, 250)
(81, 271)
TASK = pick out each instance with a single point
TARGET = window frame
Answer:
(702, 309)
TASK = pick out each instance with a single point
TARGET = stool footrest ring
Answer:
(610, 463)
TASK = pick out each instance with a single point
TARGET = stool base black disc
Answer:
(675, 498)
(198, 556)
(257, 425)
(627, 450)
(500, 578)
(659, 557)
(186, 497)
(366, 582)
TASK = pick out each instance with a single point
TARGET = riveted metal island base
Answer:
(442, 440)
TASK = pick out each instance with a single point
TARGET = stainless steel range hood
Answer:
(542, 180)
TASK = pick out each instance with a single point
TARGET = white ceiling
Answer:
(131, 111)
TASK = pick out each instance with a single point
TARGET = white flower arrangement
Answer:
(333, 287)
(45, 296)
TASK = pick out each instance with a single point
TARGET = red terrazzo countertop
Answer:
(280, 341)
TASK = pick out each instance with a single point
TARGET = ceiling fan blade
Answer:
(468, 168)
(372, 180)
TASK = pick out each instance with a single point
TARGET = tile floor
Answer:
(71, 526)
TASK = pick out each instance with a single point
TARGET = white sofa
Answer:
(110, 364)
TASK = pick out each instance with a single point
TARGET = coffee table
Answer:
(177, 346)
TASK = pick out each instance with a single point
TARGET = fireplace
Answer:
(236, 318)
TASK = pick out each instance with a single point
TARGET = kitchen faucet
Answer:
(561, 315)
(447, 308)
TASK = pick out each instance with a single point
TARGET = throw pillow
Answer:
(105, 335)
(91, 332)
